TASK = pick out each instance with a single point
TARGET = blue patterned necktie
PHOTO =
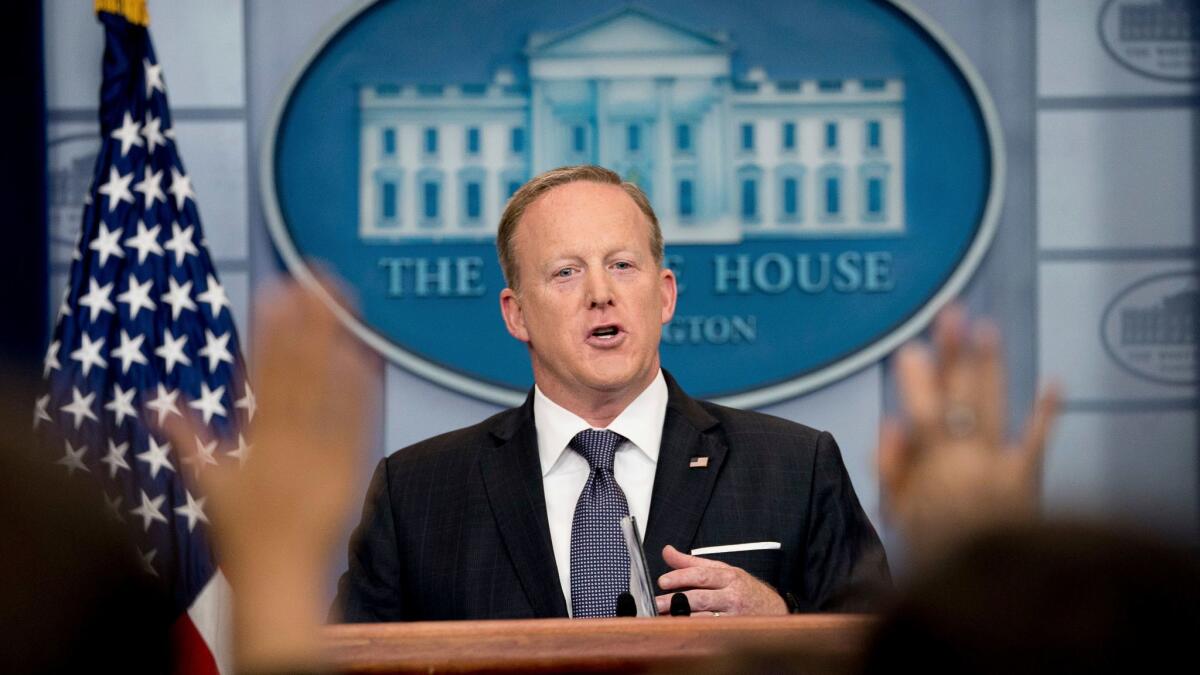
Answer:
(599, 559)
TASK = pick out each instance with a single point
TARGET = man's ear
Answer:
(670, 292)
(514, 318)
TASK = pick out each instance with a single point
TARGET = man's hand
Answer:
(275, 519)
(950, 473)
(714, 588)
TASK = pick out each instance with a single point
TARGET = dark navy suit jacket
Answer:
(455, 526)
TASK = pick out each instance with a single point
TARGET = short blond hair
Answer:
(543, 183)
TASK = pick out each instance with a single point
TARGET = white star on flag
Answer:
(181, 187)
(205, 455)
(80, 407)
(137, 296)
(247, 403)
(181, 243)
(148, 560)
(114, 506)
(214, 296)
(64, 307)
(242, 452)
(50, 362)
(39, 410)
(150, 131)
(209, 402)
(154, 77)
(171, 350)
(179, 297)
(145, 241)
(106, 244)
(193, 510)
(150, 188)
(156, 457)
(150, 511)
(115, 459)
(96, 299)
(73, 459)
(121, 404)
(128, 134)
(88, 354)
(216, 349)
(164, 403)
(117, 188)
(129, 351)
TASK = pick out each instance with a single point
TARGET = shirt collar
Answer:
(641, 423)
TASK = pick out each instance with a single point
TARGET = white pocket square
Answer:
(733, 548)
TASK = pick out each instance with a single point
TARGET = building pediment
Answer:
(629, 31)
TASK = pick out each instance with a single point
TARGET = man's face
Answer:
(592, 299)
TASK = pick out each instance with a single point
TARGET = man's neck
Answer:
(597, 408)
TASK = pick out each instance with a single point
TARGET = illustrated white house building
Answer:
(722, 158)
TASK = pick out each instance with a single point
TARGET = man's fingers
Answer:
(276, 354)
(199, 471)
(990, 383)
(1033, 442)
(180, 430)
(349, 379)
(697, 577)
(949, 333)
(297, 338)
(957, 373)
(701, 601)
(920, 393)
(677, 559)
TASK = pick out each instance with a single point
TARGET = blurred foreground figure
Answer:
(76, 597)
(1047, 598)
(74, 594)
(995, 589)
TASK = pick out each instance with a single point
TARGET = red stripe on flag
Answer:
(190, 654)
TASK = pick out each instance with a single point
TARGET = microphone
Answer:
(680, 605)
(626, 605)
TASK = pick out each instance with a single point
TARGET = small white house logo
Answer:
(1156, 38)
(72, 163)
(1150, 328)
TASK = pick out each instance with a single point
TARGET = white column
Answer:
(664, 189)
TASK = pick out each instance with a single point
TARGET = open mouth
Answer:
(605, 332)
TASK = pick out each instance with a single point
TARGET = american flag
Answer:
(145, 333)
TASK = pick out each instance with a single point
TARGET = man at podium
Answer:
(518, 516)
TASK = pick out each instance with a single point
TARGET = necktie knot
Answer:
(598, 447)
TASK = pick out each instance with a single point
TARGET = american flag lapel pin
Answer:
(698, 463)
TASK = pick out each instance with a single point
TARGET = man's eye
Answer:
(623, 265)
(564, 272)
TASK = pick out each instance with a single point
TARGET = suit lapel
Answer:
(512, 478)
(681, 492)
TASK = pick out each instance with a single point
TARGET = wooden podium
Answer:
(581, 645)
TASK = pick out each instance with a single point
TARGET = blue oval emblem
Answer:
(827, 173)
(1150, 328)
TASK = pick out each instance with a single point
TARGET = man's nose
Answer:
(599, 288)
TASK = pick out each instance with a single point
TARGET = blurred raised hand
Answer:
(948, 470)
(276, 516)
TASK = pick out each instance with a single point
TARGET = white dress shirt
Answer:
(564, 471)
